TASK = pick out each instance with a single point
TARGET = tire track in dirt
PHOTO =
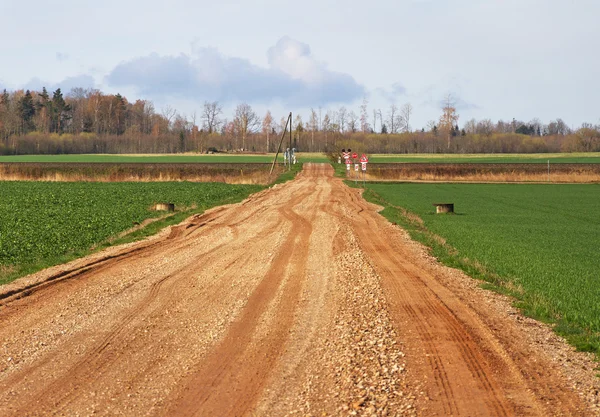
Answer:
(435, 323)
(230, 379)
(501, 388)
(58, 394)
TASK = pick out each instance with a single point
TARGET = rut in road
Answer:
(300, 300)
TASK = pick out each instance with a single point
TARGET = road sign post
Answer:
(364, 161)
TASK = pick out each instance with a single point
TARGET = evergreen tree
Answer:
(44, 97)
(27, 111)
(59, 111)
(120, 114)
(42, 107)
(384, 129)
(5, 98)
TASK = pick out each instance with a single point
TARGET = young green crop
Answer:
(41, 222)
(541, 241)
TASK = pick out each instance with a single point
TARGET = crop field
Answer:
(45, 223)
(554, 158)
(220, 158)
(540, 243)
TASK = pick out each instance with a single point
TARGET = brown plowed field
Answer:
(301, 300)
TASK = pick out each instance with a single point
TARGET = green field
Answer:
(554, 158)
(152, 159)
(572, 158)
(46, 223)
(540, 243)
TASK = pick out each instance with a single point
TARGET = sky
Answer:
(498, 59)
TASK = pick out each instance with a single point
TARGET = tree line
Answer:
(89, 121)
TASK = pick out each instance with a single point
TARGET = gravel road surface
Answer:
(299, 301)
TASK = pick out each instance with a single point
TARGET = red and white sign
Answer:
(348, 161)
(364, 166)
(356, 167)
(364, 159)
(354, 155)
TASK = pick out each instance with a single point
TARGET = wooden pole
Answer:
(280, 142)
(290, 159)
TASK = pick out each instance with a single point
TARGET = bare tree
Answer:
(537, 126)
(168, 113)
(245, 122)
(320, 120)
(485, 127)
(352, 122)
(326, 126)
(449, 117)
(558, 127)
(193, 127)
(313, 124)
(364, 116)
(405, 114)
(210, 116)
(298, 128)
(374, 120)
(471, 127)
(393, 119)
(267, 126)
(342, 114)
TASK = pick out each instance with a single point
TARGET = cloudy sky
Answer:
(498, 58)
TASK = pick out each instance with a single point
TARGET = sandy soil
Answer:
(301, 300)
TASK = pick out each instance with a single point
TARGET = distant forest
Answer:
(89, 121)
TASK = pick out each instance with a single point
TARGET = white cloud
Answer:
(292, 76)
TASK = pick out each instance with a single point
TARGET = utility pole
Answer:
(288, 122)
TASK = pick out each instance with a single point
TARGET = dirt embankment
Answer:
(112, 172)
(301, 300)
(559, 173)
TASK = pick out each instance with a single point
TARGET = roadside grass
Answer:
(537, 243)
(43, 224)
(161, 158)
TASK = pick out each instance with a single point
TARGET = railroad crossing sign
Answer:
(364, 161)
(345, 155)
(348, 162)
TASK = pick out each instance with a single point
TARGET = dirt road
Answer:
(301, 300)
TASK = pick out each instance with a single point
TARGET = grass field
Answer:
(540, 243)
(555, 158)
(171, 159)
(571, 158)
(46, 223)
